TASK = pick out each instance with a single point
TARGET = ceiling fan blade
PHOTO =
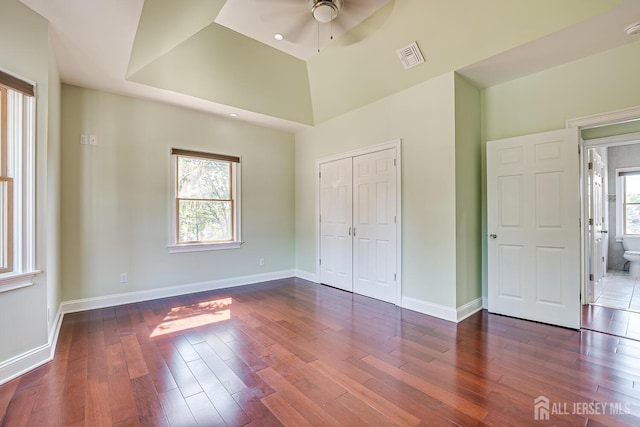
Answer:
(358, 31)
(301, 31)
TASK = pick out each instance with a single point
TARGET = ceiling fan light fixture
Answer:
(325, 11)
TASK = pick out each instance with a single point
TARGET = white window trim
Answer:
(620, 201)
(21, 127)
(174, 247)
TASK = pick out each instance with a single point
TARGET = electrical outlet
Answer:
(261, 262)
(123, 278)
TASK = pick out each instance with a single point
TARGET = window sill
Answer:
(13, 281)
(200, 247)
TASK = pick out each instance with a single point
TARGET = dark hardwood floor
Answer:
(294, 353)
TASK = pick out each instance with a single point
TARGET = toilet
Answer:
(631, 245)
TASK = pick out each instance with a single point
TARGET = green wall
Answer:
(468, 191)
(115, 195)
(544, 101)
(24, 51)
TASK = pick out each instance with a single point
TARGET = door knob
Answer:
(493, 235)
(604, 231)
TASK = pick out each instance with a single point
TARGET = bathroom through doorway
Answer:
(612, 203)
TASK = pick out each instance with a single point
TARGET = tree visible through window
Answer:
(205, 198)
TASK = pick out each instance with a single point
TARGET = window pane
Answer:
(203, 178)
(204, 221)
(632, 188)
(633, 219)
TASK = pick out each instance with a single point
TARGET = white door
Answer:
(597, 269)
(533, 213)
(335, 224)
(374, 212)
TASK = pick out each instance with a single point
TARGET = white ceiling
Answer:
(261, 19)
(93, 40)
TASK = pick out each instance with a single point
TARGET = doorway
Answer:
(611, 295)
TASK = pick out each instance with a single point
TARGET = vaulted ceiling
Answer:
(175, 51)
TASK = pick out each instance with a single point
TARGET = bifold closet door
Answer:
(374, 222)
(336, 201)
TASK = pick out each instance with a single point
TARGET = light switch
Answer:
(93, 139)
(84, 139)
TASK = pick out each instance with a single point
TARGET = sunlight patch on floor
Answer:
(194, 315)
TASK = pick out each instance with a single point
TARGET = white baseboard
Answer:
(442, 311)
(23, 363)
(312, 277)
(29, 360)
(485, 303)
(171, 291)
(429, 308)
(55, 330)
(468, 309)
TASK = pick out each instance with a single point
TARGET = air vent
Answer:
(410, 55)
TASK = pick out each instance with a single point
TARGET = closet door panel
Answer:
(336, 213)
(374, 215)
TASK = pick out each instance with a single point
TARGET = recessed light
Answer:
(278, 36)
(234, 114)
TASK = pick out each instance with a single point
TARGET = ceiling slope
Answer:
(149, 48)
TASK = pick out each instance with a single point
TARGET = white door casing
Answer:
(336, 224)
(533, 214)
(374, 213)
(595, 224)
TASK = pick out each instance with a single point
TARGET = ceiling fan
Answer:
(302, 21)
(325, 11)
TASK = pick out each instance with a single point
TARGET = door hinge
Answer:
(320, 175)
(590, 221)
(578, 149)
(590, 165)
(395, 220)
(320, 261)
(591, 277)
(394, 162)
(394, 277)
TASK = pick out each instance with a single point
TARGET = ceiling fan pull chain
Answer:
(331, 29)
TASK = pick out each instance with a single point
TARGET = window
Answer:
(205, 201)
(17, 182)
(630, 183)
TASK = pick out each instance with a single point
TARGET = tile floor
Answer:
(620, 290)
(617, 310)
(613, 321)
